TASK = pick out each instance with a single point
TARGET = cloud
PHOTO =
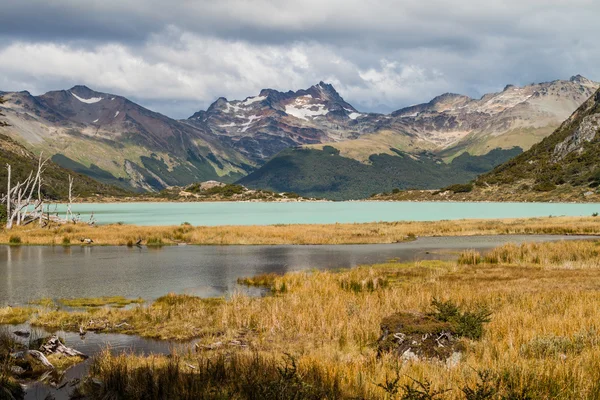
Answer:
(177, 57)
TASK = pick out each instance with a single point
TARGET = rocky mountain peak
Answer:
(580, 79)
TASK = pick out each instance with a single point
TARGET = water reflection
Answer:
(32, 272)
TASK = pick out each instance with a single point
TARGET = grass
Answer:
(381, 232)
(15, 315)
(542, 340)
(114, 301)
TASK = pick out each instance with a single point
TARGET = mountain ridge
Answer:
(132, 146)
(117, 141)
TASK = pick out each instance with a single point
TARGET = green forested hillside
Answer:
(55, 178)
(324, 173)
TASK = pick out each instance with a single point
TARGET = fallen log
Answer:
(35, 354)
(53, 345)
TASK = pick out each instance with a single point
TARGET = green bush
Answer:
(467, 324)
(14, 239)
(66, 241)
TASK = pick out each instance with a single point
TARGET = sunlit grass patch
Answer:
(112, 301)
(15, 315)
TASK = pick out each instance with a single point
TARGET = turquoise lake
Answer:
(239, 213)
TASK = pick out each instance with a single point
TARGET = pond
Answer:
(33, 272)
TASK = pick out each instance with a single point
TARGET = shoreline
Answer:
(126, 200)
(292, 234)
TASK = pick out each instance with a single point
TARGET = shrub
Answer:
(467, 324)
(418, 390)
(544, 187)
(460, 188)
(66, 241)
(485, 388)
(396, 191)
(14, 239)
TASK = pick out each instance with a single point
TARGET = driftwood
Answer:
(54, 346)
(36, 355)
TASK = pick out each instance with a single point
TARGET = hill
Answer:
(325, 173)
(55, 178)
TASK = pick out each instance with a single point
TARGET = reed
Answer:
(380, 232)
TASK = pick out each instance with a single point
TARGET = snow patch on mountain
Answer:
(87, 101)
(251, 120)
(116, 114)
(232, 108)
(251, 100)
(302, 108)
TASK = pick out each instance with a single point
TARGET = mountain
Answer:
(449, 140)
(290, 137)
(261, 126)
(562, 166)
(116, 141)
(452, 124)
(55, 178)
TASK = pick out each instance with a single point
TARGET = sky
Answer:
(178, 56)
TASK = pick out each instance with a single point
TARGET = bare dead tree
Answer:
(21, 208)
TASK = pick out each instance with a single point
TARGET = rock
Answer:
(585, 132)
(454, 359)
(16, 370)
(588, 193)
(22, 333)
(415, 336)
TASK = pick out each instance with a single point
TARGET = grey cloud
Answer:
(179, 55)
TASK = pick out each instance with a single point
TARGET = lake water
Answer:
(238, 213)
(33, 272)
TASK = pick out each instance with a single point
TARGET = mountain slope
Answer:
(452, 124)
(564, 162)
(562, 167)
(55, 178)
(324, 173)
(117, 141)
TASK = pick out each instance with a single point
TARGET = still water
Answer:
(237, 213)
(33, 272)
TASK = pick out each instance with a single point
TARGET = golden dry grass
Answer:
(382, 232)
(543, 338)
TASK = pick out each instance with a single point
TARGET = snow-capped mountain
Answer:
(265, 124)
